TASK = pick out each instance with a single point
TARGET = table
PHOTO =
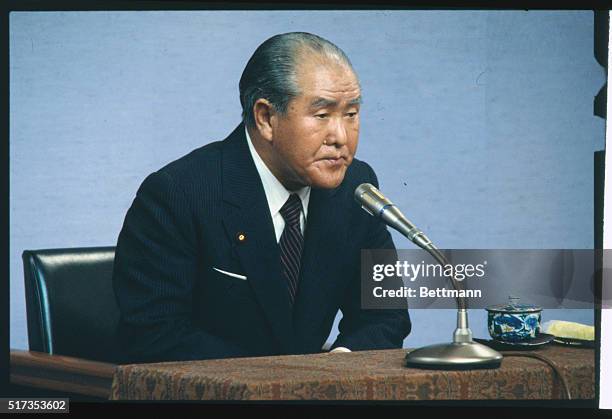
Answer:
(61, 374)
(364, 375)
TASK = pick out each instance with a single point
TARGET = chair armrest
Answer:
(61, 373)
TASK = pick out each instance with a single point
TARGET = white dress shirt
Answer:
(277, 195)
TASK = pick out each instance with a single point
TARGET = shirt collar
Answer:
(276, 193)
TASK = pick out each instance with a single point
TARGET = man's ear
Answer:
(264, 115)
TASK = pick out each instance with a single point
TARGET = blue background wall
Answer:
(479, 124)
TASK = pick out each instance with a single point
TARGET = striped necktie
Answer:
(291, 243)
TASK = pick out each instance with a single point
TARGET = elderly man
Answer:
(250, 245)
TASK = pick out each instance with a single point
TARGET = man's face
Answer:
(315, 141)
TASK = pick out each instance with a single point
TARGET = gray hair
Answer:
(271, 71)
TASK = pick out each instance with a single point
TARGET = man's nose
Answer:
(337, 132)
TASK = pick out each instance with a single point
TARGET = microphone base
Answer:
(454, 356)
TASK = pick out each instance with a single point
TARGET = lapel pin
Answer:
(241, 237)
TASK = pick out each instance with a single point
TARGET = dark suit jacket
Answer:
(185, 220)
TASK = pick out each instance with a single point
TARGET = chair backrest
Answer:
(70, 303)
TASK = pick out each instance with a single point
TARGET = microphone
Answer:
(377, 205)
(463, 352)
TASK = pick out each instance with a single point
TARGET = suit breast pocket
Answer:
(230, 282)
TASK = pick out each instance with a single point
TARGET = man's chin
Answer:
(330, 182)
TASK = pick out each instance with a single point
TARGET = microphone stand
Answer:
(462, 353)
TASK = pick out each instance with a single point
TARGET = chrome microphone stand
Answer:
(462, 352)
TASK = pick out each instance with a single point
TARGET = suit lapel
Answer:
(246, 212)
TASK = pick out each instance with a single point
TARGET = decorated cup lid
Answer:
(514, 306)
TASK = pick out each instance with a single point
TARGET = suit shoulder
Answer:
(202, 160)
(358, 172)
(197, 173)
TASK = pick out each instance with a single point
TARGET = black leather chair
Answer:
(70, 304)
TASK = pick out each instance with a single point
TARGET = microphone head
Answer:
(371, 199)
(377, 205)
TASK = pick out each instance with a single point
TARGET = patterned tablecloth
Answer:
(365, 375)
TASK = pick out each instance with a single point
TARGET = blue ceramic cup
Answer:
(513, 321)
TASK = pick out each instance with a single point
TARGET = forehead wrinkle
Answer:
(321, 102)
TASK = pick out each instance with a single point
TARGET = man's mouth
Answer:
(333, 161)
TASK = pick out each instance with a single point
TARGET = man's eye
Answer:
(351, 114)
(321, 115)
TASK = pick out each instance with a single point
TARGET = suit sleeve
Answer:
(362, 329)
(154, 274)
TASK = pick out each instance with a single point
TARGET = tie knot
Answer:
(291, 210)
